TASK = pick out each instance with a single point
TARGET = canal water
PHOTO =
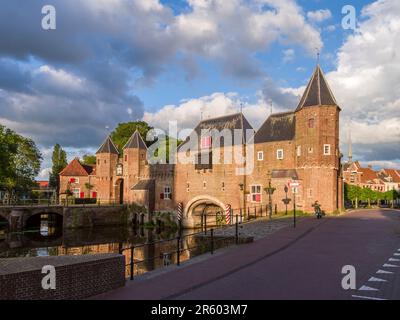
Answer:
(154, 248)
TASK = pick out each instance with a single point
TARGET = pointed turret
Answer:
(108, 146)
(350, 148)
(317, 92)
(135, 142)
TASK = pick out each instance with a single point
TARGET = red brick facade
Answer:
(302, 145)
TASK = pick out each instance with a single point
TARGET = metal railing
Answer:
(209, 240)
(62, 202)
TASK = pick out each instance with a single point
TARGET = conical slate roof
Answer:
(108, 147)
(317, 92)
(135, 142)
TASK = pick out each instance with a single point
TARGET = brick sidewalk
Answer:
(189, 276)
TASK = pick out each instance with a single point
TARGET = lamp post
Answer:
(270, 191)
(286, 199)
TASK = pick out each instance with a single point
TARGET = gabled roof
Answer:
(76, 169)
(230, 122)
(278, 127)
(394, 174)
(317, 92)
(369, 176)
(135, 142)
(108, 147)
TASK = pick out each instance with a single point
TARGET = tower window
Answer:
(311, 123)
(167, 193)
(327, 149)
(204, 185)
(279, 154)
(310, 150)
(298, 151)
(260, 156)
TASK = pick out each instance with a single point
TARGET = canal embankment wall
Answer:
(76, 277)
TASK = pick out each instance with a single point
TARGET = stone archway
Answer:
(203, 210)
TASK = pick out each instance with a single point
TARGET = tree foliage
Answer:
(19, 162)
(356, 194)
(89, 159)
(124, 131)
(59, 160)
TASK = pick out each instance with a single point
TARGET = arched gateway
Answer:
(204, 210)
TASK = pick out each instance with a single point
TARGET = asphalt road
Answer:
(301, 263)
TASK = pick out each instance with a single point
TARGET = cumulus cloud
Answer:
(366, 83)
(319, 15)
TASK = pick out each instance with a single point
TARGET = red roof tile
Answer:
(75, 168)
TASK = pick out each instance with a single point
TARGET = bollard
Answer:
(131, 265)
(178, 251)
(212, 241)
(237, 231)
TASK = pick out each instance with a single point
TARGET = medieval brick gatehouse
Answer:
(302, 145)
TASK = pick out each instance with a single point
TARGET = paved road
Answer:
(304, 263)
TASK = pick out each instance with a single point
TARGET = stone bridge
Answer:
(72, 216)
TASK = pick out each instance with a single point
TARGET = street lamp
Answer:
(286, 201)
(270, 191)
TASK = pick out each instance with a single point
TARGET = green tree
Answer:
(59, 160)
(19, 162)
(89, 159)
(124, 131)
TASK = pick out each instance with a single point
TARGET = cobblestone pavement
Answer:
(260, 228)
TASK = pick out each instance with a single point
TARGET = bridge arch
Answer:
(34, 220)
(203, 209)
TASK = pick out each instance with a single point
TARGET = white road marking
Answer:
(384, 271)
(376, 279)
(365, 288)
(370, 298)
(390, 266)
(393, 259)
(396, 254)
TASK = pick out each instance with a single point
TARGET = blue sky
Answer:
(111, 61)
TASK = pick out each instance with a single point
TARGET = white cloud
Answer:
(366, 81)
(288, 55)
(319, 15)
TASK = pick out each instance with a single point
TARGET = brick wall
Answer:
(77, 277)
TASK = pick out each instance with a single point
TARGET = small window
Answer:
(310, 193)
(327, 149)
(298, 151)
(105, 161)
(311, 123)
(73, 180)
(223, 186)
(310, 150)
(188, 187)
(98, 161)
(119, 170)
(260, 156)
(255, 193)
(279, 154)
(167, 193)
(76, 192)
(126, 157)
(204, 185)
(206, 142)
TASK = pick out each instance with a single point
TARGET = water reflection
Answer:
(50, 240)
